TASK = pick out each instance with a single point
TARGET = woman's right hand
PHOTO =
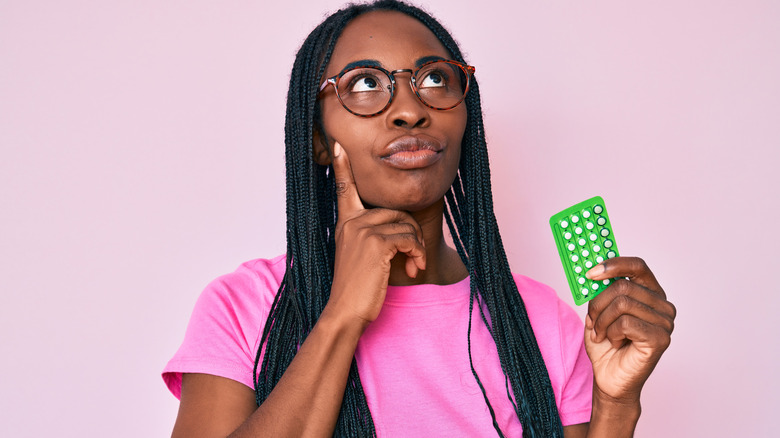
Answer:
(367, 240)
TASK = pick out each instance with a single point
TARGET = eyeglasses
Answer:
(367, 91)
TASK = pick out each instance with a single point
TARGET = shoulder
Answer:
(541, 300)
(224, 331)
(251, 284)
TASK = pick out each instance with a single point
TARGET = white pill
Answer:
(567, 235)
(593, 237)
(564, 224)
(596, 248)
(599, 259)
(607, 243)
(571, 247)
(586, 214)
(589, 225)
(585, 253)
(611, 254)
(581, 242)
(595, 286)
(581, 280)
(578, 230)
(604, 232)
(585, 292)
(598, 209)
(578, 269)
(574, 258)
(575, 219)
(606, 282)
(601, 220)
(589, 264)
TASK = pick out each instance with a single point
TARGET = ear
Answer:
(321, 151)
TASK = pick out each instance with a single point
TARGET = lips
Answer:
(412, 152)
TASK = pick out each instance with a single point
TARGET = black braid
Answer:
(311, 219)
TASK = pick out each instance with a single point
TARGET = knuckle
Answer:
(669, 326)
(624, 323)
(672, 310)
(342, 187)
(621, 286)
(623, 303)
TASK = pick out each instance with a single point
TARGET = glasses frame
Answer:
(334, 80)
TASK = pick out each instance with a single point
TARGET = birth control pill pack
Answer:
(583, 234)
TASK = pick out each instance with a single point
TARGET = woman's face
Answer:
(406, 157)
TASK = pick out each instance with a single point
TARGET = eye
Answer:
(364, 83)
(433, 79)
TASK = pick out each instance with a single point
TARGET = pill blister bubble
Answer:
(595, 286)
(604, 232)
(607, 243)
(567, 235)
(598, 209)
(611, 254)
(601, 220)
(575, 219)
(585, 291)
(575, 258)
(589, 225)
(585, 253)
(571, 247)
(586, 214)
(593, 236)
(606, 282)
(581, 280)
(589, 264)
(581, 242)
(599, 259)
(578, 269)
(564, 224)
(596, 248)
(578, 230)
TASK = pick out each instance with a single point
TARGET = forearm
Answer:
(613, 418)
(307, 399)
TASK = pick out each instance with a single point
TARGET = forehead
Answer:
(394, 39)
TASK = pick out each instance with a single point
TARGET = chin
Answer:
(404, 204)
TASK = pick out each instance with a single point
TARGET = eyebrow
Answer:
(425, 59)
(362, 63)
(375, 63)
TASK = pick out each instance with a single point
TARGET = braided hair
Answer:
(311, 221)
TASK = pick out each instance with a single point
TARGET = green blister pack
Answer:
(584, 237)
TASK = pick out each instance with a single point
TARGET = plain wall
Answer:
(142, 156)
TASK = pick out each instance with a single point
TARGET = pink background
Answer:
(142, 157)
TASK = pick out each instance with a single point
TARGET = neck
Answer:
(443, 264)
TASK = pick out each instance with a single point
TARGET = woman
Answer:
(371, 324)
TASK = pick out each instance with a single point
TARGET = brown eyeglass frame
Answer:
(467, 69)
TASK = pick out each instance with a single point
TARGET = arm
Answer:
(307, 400)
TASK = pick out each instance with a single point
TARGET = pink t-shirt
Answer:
(413, 360)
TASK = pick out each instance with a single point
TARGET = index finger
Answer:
(634, 268)
(346, 191)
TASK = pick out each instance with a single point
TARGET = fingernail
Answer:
(336, 149)
(595, 271)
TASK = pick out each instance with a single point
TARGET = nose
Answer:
(406, 110)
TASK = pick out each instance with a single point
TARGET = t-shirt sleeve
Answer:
(224, 331)
(560, 335)
(577, 391)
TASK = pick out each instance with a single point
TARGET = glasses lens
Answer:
(441, 84)
(364, 90)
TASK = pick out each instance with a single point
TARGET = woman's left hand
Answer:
(627, 329)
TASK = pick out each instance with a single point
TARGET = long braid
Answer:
(311, 218)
